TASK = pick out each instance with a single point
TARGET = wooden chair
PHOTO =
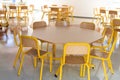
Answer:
(115, 23)
(23, 12)
(34, 50)
(87, 25)
(75, 53)
(104, 56)
(38, 25)
(45, 10)
(54, 14)
(13, 11)
(103, 15)
(4, 7)
(100, 15)
(64, 14)
(111, 15)
(3, 23)
(31, 8)
(105, 42)
(17, 33)
(2, 14)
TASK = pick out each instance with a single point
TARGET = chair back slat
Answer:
(102, 11)
(76, 50)
(87, 25)
(29, 41)
(39, 24)
(12, 7)
(115, 22)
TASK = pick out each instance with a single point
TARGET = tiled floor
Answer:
(8, 51)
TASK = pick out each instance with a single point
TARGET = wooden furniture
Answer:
(57, 12)
(76, 53)
(38, 25)
(3, 23)
(13, 11)
(23, 12)
(87, 25)
(34, 50)
(31, 8)
(45, 10)
(62, 35)
(2, 14)
(116, 25)
(105, 42)
(105, 56)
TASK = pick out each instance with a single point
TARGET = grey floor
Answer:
(8, 52)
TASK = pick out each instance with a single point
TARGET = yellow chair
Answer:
(13, 11)
(31, 8)
(17, 34)
(38, 25)
(33, 48)
(103, 14)
(87, 25)
(54, 13)
(3, 23)
(75, 53)
(45, 10)
(100, 15)
(23, 12)
(64, 13)
(112, 14)
(104, 43)
(115, 23)
(104, 56)
(2, 15)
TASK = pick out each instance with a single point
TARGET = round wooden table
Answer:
(62, 35)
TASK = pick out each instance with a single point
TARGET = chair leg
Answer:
(21, 63)
(81, 70)
(41, 69)
(51, 59)
(110, 66)
(104, 68)
(60, 77)
(84, 70)
(43, 15)
(17, 56)
(88, 67)
(35, 62)
(47, 46)
(57, 72)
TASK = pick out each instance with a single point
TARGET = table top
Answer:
(61, 35)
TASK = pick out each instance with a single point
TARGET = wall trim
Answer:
(83, 17)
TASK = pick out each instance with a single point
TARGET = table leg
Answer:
(54, 50)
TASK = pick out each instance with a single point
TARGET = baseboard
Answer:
(83, 17)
